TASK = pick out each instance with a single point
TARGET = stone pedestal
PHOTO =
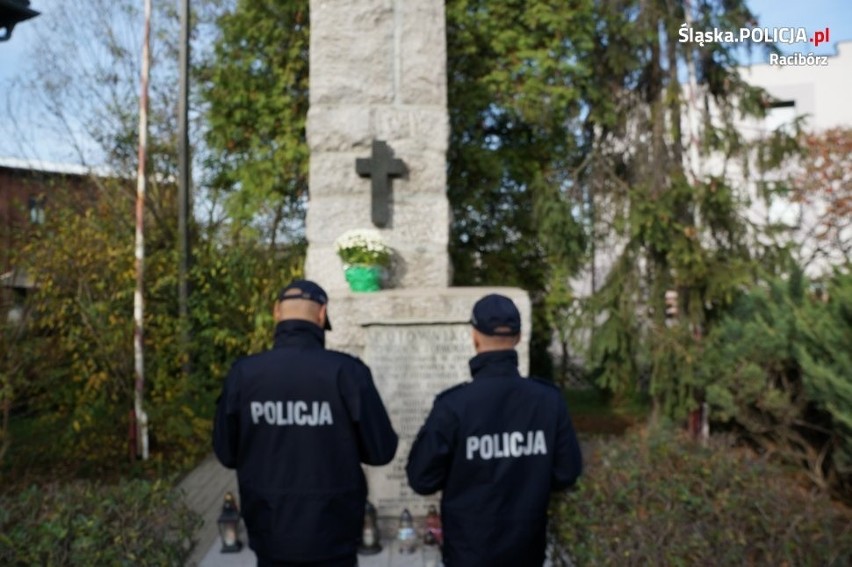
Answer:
(417, 343)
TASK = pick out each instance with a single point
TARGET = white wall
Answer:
(823, 95)
(823, 92)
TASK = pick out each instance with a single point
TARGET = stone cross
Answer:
(381, 167)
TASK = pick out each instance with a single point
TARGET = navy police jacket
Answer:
(296, 422)
(496, 447)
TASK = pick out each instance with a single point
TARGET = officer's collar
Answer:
(495, 363)
(297, 332)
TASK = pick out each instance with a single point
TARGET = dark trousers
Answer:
(348, 561)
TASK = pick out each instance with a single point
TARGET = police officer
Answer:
(296, 422)
(496, 447)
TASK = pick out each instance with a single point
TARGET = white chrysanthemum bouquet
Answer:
(362, 246)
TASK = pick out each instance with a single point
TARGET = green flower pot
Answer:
(363, 278)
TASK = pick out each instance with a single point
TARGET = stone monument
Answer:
(378, 131)
(378, 74)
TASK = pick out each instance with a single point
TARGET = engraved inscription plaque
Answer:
(411, 364)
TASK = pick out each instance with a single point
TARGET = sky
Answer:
(809, 14)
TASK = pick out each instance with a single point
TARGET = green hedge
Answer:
(660, 499)
(83, 523)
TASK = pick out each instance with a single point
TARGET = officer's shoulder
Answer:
(549, 384)
(343, 357)
(241, 361)
(241, 366)
(453, 391)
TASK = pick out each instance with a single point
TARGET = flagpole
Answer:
(140, 416)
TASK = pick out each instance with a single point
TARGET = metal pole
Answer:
(184, 180)
(138, 299)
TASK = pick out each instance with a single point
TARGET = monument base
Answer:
(417, 343)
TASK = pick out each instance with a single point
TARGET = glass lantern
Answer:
(229, 525)
(406, 536)
(434, 533)
(370, 536)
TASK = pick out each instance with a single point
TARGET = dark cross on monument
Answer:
(380, 167)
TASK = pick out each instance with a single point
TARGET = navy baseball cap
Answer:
(496, 315)
(308, 290)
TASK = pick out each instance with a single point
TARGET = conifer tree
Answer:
(660, 112)
(776, 369)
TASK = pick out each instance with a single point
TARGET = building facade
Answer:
(27, 191)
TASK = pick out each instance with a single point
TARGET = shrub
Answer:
(71, 375)
(84, 523)
(777, 370)
(660, 499)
